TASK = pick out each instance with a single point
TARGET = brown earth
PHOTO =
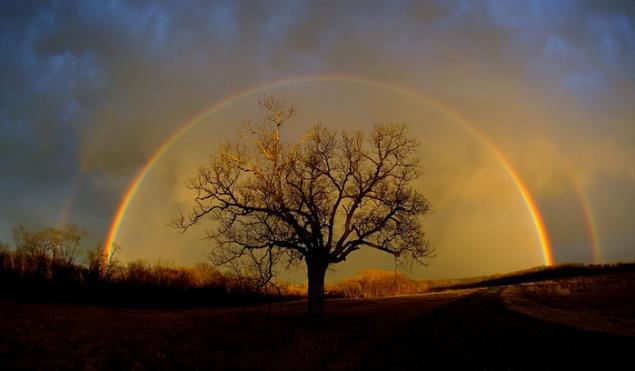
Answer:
(602, 303)
(471, 329)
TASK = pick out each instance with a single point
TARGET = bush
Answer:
(375, 283)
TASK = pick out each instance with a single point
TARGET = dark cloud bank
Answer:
(90, 89)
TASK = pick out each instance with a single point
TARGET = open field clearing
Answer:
(603, 303)
(468, 328)
(272, 336)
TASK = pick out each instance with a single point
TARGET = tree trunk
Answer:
(316, 271)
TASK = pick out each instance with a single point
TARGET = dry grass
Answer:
(375, 283)
(603, 303)
(273, 336)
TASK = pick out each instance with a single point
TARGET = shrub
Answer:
(376, 283)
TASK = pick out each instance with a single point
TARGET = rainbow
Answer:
(64, 216)
(589, 221)
(187, 125)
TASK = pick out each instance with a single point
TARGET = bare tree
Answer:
(316, 201)
(102, 265)
(60, 245)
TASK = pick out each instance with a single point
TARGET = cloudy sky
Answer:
(90, 90)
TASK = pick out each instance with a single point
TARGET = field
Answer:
(572, 322)
(271, 336)
(603, 303)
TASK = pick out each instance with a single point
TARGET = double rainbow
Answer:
(187, 125)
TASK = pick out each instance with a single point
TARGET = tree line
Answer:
(51, 263)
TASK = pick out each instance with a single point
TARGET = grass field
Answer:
(271, 336)
(604, 303)
(571, 322)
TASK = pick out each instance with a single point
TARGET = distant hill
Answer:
(535, 274)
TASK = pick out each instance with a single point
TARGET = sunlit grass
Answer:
(603, 302)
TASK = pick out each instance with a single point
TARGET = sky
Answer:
(91, 90)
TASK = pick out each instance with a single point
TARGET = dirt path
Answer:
(479, 332)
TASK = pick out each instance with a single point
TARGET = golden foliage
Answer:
(376, 283)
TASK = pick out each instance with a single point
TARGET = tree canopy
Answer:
(317, 200)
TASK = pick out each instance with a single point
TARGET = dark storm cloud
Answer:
(96, 86)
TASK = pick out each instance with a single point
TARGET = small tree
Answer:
(51, 250)
(103, 266)
(6, 259)
(317, 200)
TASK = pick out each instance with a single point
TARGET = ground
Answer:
(487, 328)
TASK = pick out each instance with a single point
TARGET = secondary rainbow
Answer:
(589, 221)
(187, 125)
(69, 203)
